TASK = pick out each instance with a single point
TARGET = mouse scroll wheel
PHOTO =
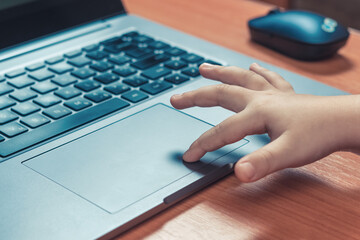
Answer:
(274, 11)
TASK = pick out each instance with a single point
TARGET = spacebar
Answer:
(60, 126)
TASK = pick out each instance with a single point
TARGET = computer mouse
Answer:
(299, 34)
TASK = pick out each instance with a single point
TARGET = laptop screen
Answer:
(24, 20)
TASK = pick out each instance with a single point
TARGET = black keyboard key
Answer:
(73, 54)
(119, 60)
(102, 66)
(134, 96)
(98, 96)
(57, 112)
(139, 52)
(176, 78)
(25, 108)
(142, 39)
(119, 47)
(155, 87)
(61, 68)
(97, 55)
(117, 88)
(15, 73)
(191, 71)
(191, 58)
(54, 60)
(87, 85)
(47, 100)
(64, 80)
(150, 61)
(158, 45)
(107, 78)
(6, 102)
(68, 93)
(175, 64)
(44, 87)
(23, 95)
(35, 66)
(41, 75)
(125, 71)
(112, 41)
(21, 82)
(7, 116)
(83, 73)
(78, 104)
(35, 120)
(175, 51)
(12, 129)
(79, 61)
(156, 72)
(135, 81)
(91, 47)
(5, 88)
(130, 34)
(61, 126)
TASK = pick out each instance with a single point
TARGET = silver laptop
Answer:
(89, 143)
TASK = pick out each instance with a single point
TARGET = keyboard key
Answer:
(44, 87)
(73, 54)
(156, 87)
(142, 39)
(78, 104)
(158, 45)
(2, 78)
(25, 108)
(117, 88)
(21, 82)
(120, 47)
(98, 96)
(61, 68)
(79, 61)
(112, 41)
(124, 71)
(135, 81)
(91, 47)
(191, 58)
(35, 120)
(35, 66)
(87, 85)
(7, 116)
(23, 95)
(64, 80)
(6, 102)
(191, 71)
(5, 88)
(134, 96)
(156, 72)
(56, 128)
(176, 78)
(15, 73)
(12, 129)
(150, 61)
(139, 52)
(83, 73)
(175, 64)
(54, 60)
(102, 66)
(2, 138)
(57, 112)
(119, 60)
(107, 78)
(41, 75)
(67, 93)
(47, 100)
(130, 34)
(97, 55)
(175, 51)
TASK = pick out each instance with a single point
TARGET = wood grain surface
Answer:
(318, 201)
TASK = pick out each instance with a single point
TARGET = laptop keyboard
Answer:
(62, 93)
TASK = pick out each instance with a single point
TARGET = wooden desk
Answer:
(319, 201)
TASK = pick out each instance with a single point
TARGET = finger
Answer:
(270, 158)
(227, 132)
(234, 76)
(233, 98)
(272, 77)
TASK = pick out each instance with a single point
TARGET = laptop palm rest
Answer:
(128, 160)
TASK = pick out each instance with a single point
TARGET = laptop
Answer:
(89, 143)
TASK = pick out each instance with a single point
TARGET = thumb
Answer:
(270, 158)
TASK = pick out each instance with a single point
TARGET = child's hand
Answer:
(302, 128)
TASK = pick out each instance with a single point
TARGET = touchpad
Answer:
(126, 161)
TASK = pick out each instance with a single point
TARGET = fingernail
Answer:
(207, 66)
(176, 96)
(256, 65)
(248, 170)
(186, 155)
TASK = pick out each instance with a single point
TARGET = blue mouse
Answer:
(299, 34)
